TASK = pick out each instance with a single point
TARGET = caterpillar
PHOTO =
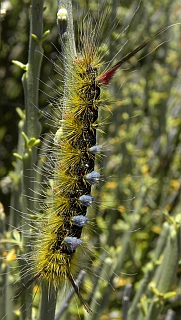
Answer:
(72, 163)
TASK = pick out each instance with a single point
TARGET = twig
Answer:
(66, 301)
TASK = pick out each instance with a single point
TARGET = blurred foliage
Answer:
(142, 135)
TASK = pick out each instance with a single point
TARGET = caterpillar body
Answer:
(72, 163)
(73, 175)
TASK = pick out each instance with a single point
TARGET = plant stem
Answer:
(65, 303)
(48, 302)
(67, 40)
(15, 222)
(149, 271)
(30, 82)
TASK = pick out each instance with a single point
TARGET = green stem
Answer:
(30, 82)
(31, 77)
(66, 36)
(67, 39)
(15, 222)
(48, 303)
(166, 273)
(149, 271)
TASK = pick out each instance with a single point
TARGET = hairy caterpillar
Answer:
(72, 164)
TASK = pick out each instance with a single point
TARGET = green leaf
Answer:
(18, 156)
(20, 64)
